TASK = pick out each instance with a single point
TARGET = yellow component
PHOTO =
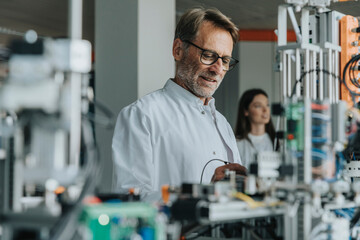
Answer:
(251, 202)
(348, 50)
(254, 204)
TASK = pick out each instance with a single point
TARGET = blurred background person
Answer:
(254, 130)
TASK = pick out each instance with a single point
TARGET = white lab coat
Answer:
(247, 150)
(167, 137)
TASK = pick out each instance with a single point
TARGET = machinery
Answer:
(308, 190)
(48, 161)
(311, 186)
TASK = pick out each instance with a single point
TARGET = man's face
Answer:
(200, 79)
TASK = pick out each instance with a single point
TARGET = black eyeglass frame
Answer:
(235, 61)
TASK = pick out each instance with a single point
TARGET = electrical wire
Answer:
(308, 72)
(215, 159)
(255, 235)
(200, 233)
(350, 63)
(355, 218)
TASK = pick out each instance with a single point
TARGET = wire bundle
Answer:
(351, 68)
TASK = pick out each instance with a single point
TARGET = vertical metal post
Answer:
(313, 67)
(289, 74)
(330, 81)
(321, 76)
(75, 32)
(311, 79)
(336, 80)
(283, 76)
(305, 25)
(282, 25)
(306, 79)
(75, 19)
(307, 164)
(298, 71)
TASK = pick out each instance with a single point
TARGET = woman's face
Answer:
(259, 110)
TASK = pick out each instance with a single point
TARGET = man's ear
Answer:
(178, 50)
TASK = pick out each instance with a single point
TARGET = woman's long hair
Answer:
(243, 126)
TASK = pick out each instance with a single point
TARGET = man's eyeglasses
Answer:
(209, 57)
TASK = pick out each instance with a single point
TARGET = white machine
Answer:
(311, 185)
(47, 151)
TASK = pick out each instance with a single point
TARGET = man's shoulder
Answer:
(148, 102)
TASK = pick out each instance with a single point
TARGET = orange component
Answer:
(347, 0)
(165, 193)
(290, 136)
(315, 106)
(59, 190)
(265, 35)
(88, 200)
(348, 50)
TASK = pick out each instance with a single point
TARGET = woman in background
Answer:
(254, 130)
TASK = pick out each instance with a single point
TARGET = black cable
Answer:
(352, 74)
(215, 159)
(353, 94)
(355, 218)
(310, 71)
(351, 62)
(200, 233)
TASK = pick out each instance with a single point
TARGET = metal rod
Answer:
(283, 76)
(289, 74)
(307, 77)
(75, 19)
(336, 80)
(330, 83)
(298, 71)
(321, 76)
(75, 33)
(282, 25)
(314, 79)
(294, 23)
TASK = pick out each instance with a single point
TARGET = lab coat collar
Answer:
(180, 92)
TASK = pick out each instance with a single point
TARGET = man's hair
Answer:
(188, 26)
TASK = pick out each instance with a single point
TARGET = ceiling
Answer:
(257, 14)
(49, 17)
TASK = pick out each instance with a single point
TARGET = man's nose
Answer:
(218, 66)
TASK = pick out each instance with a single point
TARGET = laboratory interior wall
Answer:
(257, 67)
(255, 70)
(155, 60)
(133, 41)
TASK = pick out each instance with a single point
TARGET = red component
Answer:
(290, 136)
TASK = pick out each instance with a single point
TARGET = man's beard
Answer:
(187, 73)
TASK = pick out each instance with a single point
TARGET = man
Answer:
(174, 135)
